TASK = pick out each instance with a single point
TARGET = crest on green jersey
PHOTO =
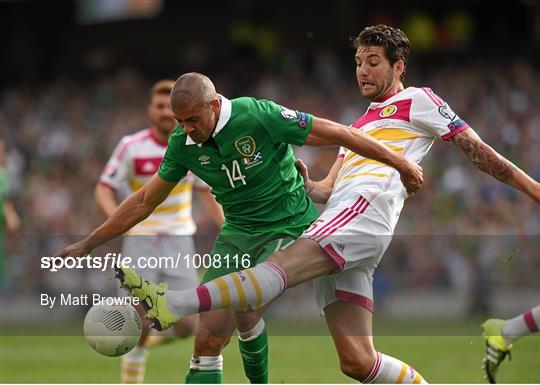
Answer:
(245, 145)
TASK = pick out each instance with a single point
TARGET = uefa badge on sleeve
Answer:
(288, 113)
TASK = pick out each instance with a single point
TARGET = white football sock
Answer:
(206, 362)
(253, 333)
(390, 370)
(245, 290)
(133, 365)
(521, 325)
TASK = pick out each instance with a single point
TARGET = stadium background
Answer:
(75, 76)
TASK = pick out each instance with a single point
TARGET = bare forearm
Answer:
(373, 149)
(105, 199)
(319, 191)
(134, 209)
(130, 212)
(489, 161)
(363, 144)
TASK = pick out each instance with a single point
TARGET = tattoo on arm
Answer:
(486, 158)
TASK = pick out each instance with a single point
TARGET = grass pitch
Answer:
(293, 358)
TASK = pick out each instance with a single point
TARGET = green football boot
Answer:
(496, 348)
(152, 297)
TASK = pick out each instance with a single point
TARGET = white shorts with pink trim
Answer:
(355, 235)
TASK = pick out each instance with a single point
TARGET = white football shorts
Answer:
(355, 235)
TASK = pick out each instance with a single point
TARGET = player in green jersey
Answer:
(241, 148)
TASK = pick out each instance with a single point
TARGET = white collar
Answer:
(224, 116)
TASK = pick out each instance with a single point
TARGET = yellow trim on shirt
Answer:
(157, 222)
(391, 146)
(346, 164)
(180, 188)
(362, 174)
(360, 163)
(391, 134)
(172, 208)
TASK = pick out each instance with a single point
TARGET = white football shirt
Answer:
(135, 159)
(408, 122)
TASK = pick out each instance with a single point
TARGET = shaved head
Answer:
(195, 105)
(192, 89)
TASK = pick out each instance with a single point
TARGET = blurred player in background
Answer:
(8, 214)
(363, 200)
(9, 218)
(169, 229)
(241, 148)
(500, 334)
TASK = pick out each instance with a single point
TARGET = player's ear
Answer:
(216, 104)
(399, 68)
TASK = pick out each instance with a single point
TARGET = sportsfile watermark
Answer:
(117, 260)
(421, 286)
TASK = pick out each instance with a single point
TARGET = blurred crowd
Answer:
(60, 133)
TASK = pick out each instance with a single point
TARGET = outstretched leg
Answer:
(248, 289)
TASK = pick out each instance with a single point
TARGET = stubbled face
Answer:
(376, 77)
(160, 113)
(199, 120)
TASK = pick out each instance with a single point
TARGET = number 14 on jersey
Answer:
(234, 174)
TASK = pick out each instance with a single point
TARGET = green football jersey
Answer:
(249, 164)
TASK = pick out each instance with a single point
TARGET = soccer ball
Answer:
(112, 330)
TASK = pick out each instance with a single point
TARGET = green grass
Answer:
(293, 359)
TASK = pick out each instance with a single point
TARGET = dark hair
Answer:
(394, 41)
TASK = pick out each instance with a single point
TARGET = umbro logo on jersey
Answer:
(204, 159)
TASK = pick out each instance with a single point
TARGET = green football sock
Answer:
(255, 358)
(195, 376)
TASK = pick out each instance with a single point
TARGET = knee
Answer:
(210, 345)
(358, 366)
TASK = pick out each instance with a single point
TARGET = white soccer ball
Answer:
(112, 330)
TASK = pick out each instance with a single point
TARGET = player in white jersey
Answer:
(342, 250)
(364, 198)
(168, 230)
